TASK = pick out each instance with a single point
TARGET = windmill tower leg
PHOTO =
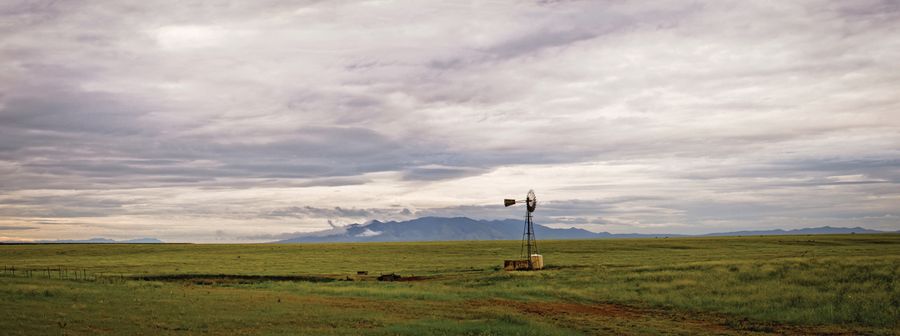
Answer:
(529, 241)
(526, 240)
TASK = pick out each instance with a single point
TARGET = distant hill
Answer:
(102, 241)
(806, 231)
(439, 228)
(464, 228)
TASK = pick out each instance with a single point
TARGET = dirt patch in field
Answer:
(557, 308)
(617, 318)
(416, 278)
(240, 279)
(611, 318)
(213, 279)
(559, 267)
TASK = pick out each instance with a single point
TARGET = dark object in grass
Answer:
(362, 272)
(390, 277)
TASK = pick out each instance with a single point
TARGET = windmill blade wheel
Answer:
(531, 201)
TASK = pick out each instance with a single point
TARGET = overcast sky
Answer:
(219, 122)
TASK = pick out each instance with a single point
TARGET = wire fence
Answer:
(62, 273)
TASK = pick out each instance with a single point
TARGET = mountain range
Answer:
(463, 228)
(101, 241)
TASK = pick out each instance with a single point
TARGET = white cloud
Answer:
(189, 37)
(369, 233)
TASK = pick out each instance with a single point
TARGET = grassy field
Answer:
(838, 284)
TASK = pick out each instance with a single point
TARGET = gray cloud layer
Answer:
(187, 120)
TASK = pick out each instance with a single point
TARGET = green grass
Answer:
(780, 284)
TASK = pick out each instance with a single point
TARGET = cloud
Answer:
(321, 212)
(434, 172)
(369, 233)
(16, 228)
(272, 116)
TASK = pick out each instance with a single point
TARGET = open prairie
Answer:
(838, 284)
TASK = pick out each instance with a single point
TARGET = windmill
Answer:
(531, 259)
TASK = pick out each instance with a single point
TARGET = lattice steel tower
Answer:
(529, 241)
